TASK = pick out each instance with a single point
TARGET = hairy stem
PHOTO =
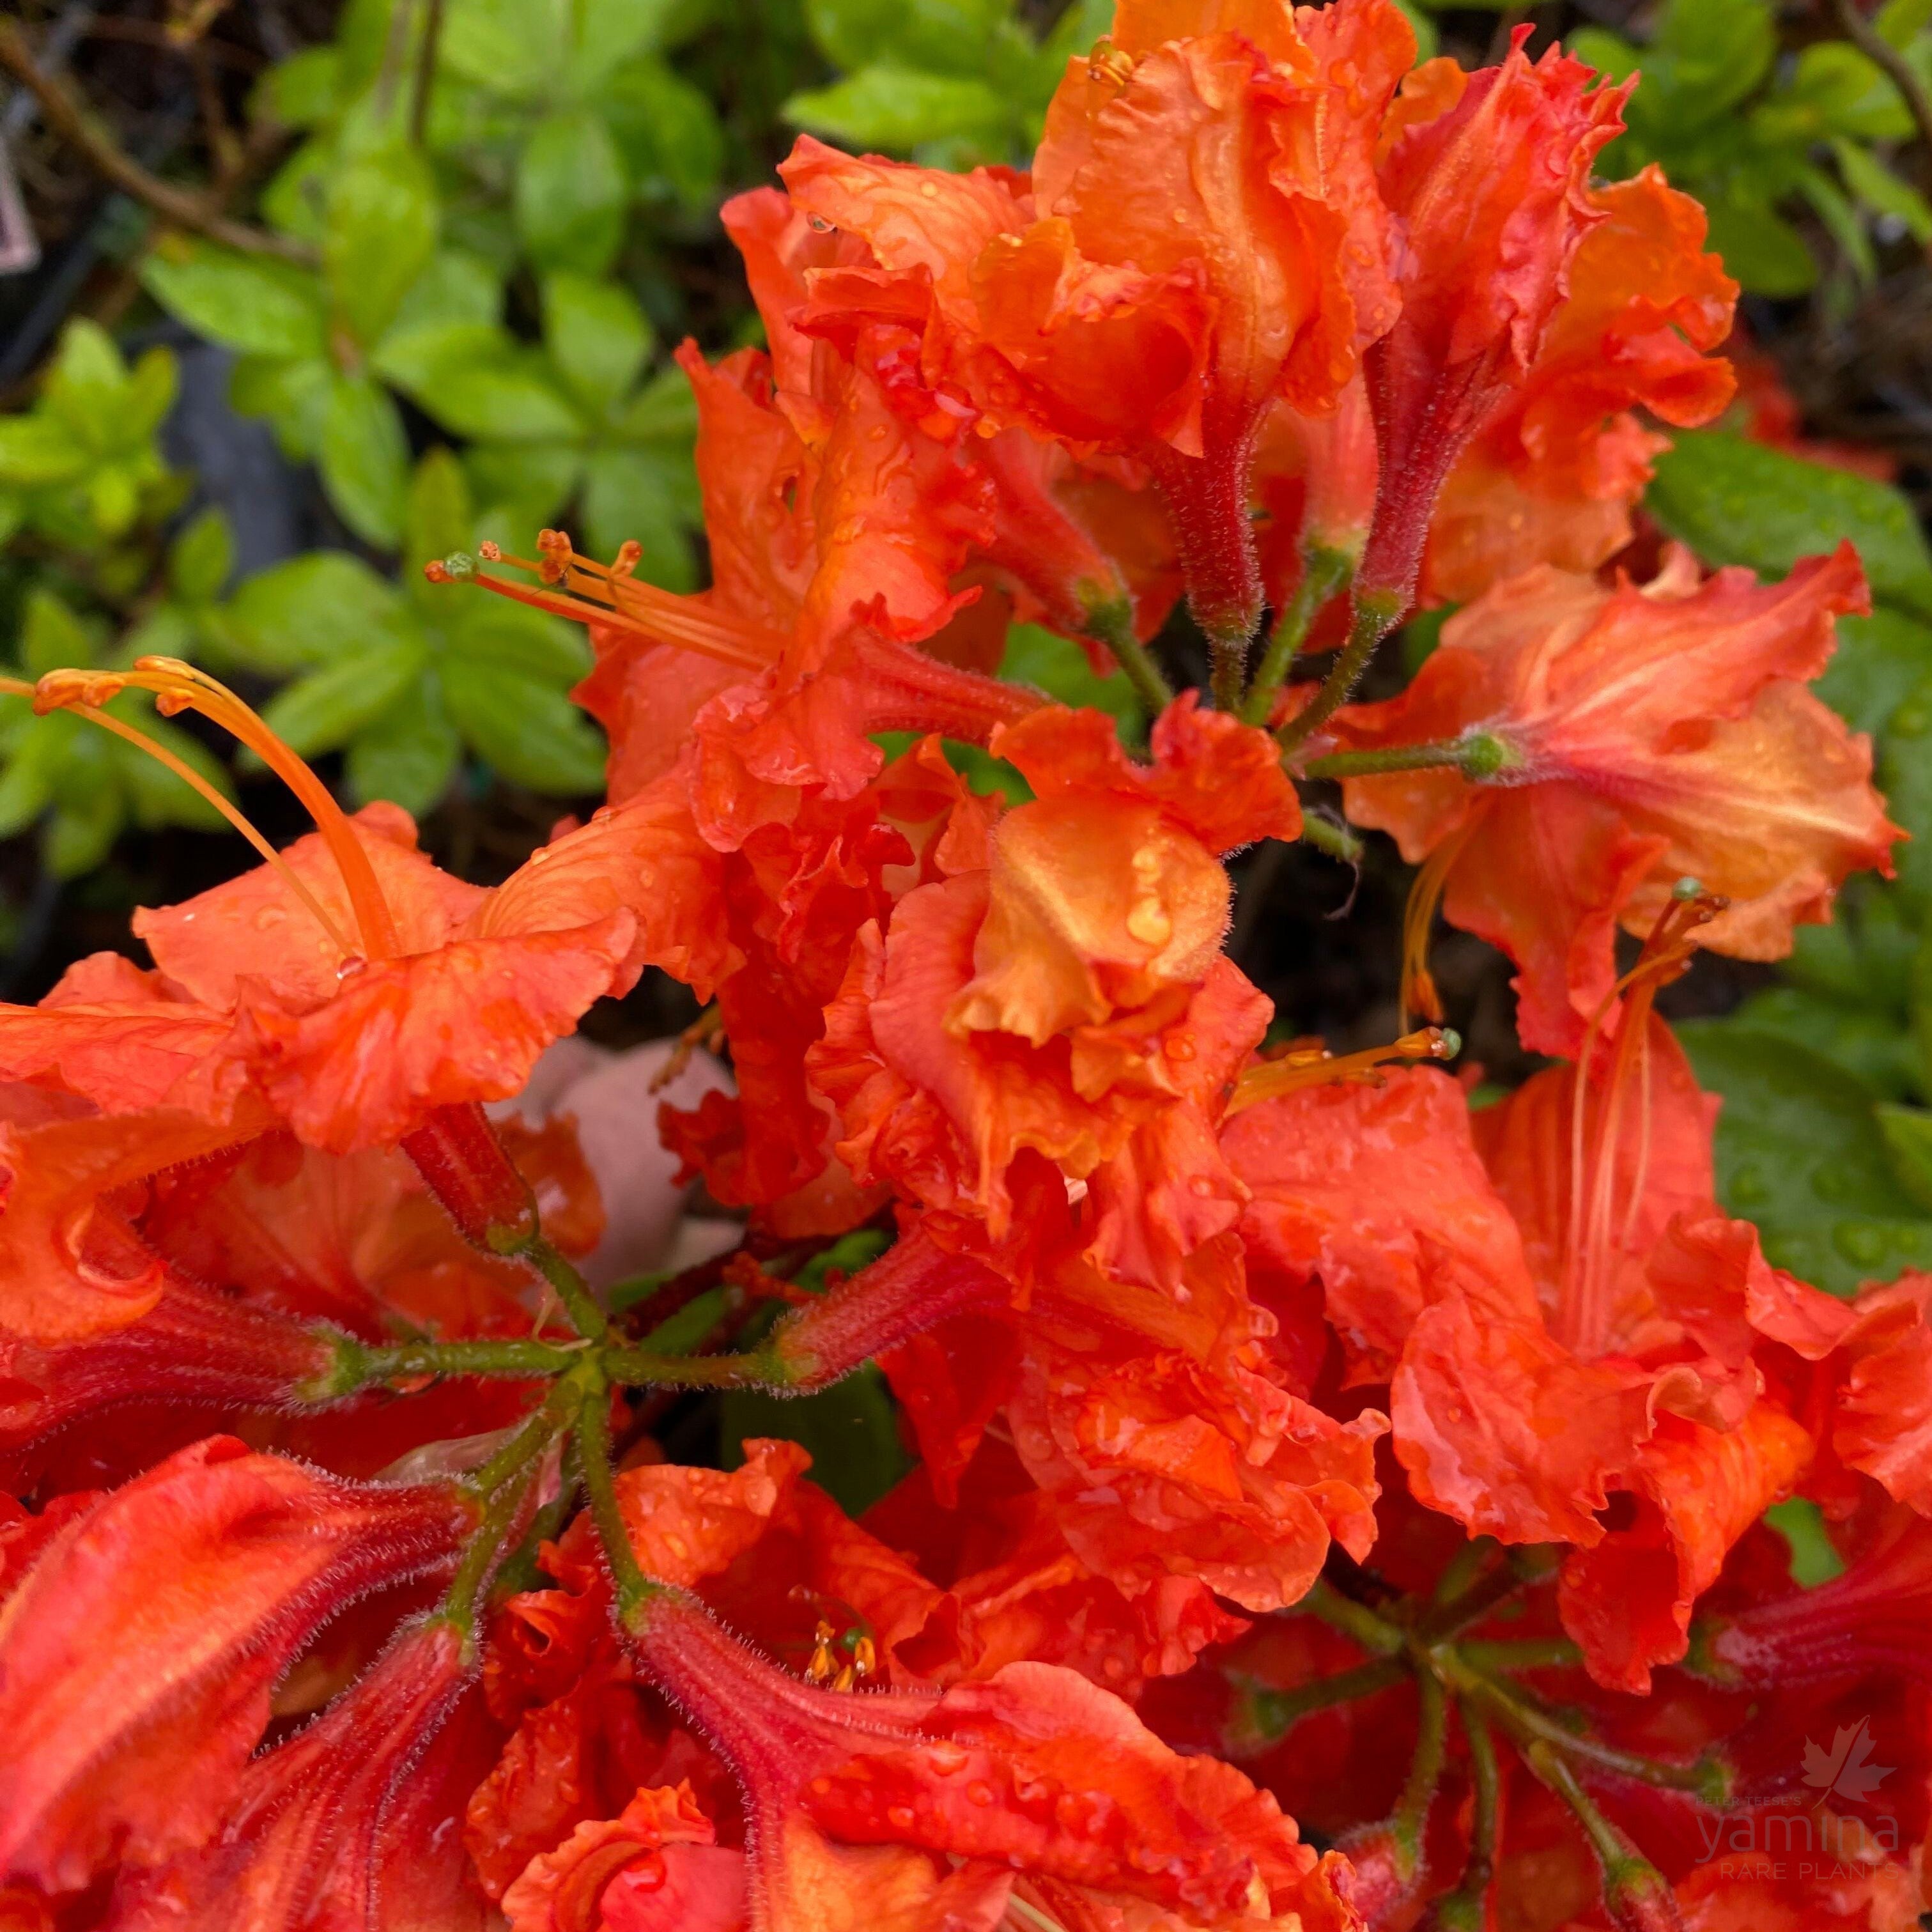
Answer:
(1274, 1713)
(1376, 1635)
(592, 1430)
(579, 1303)
(1113, 626)
(1375, 616)
(1326, 835)
(1476, 755)
(1324, 573)
(504, 1481)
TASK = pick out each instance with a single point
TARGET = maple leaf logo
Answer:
(1845, 1771)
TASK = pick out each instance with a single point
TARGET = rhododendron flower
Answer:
(1648, 734)
(205, 1576)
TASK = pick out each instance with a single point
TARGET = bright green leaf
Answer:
(666, 130)
(521, 488)
(37, 450)
(1847, 94)
(323, 711)
(202, 559)
(1882, 190)
(365, 459)
(457, 286)
(301, 91)
(942, 37)
(596, 335)
(1715, 52)
(27, 781)
(51, 638)
(82, 831)
(1873, 1047)
(155, 795)
(1800, 1152)
(664, 410)
(1842, 222)
(1057, 666)
(379, 235)
(438, 520)
(527, 730)
(849, 1429)
(87, 387)
(152, 385)
(311, 610)
(1908, 1139)
(636, 495)
(1760, 247)
(571, 194)
(899, 108)
(293, 396)
(245, 302)
(409, 755)
(418, 360)
(1734, 501)
(493, 631)
(1878, 660)
(511, 401)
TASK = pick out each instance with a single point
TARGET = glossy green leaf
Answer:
(1713, 53)
(439, 519)
(897, 109)
(1800, 1152)
(378, 235)
(293, 396)
(1734, 501)
(311, 609)
(202, 559)
(301, 91)
(407, 756)
(638, 495)
(597, 337)
(51, 636)
(27, 778)
(1908, 1140)
(526, 730)
(1848, 93)
(1873, 1047)
(1059, 667)
(849, 1431)
(666, 131)
(1905, 776)
(246, 302)
(457, 286)
(37, 450)
(82, 830)
(1878, 660)
(365, 459)
(480, 629)
(940, 37)
(143, 405)
(322, 711)
(571, 194)
(511, 401)
(1758, 246)
(664, 410)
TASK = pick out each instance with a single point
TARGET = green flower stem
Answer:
(1337, 840)
(1275, 1713)
(1529, 1725)
(1553, 1770)
(359, 1365)
(1410, 1818)
(1376, 1635)
(592, 1431)
(1113, 624)
(1324, 573)
(1466, 1909)
(1375, 616)
(639, 1368)
(579, 1303)
(1534, 1653)
(1476, 755)
(1229, 656)
(504, 1482)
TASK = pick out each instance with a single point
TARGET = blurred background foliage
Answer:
(296, 294)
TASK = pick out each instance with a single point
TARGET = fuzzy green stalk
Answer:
(1476, 755)
(1376, 614)
(1112, 624)
(1324, 573)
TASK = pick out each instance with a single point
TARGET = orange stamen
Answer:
(1418, 993)
(181, 687)
(1315, 1066)
(610, 595)
(1595, 1241)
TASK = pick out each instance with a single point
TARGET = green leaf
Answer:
(666, 131)
(202, 559)
(297, 196)
(510, 401)
(520, 487)
(155, 795)
(323, 711)
(1760, 247)
(457, 286)
(378, 235)
(365, 459)
(1814, 1557)
(850, 1430)
(51, 638)
(1713, 53)
(1873, 1047)
(525, 729)
(37, 450)
(144, 404)
(1734, 501)
(1841, 220)
(1905, 775)
(571, 194)
(87, 387)
(1800, 1153)
(639, 494)
(1059, 667)
(1428, 41)
(1908, 1139)
(943, 36)
(293, 396)
(27, 782)
(493, 631)
(1882, 190)
(245, 302)
(439, 519)
(1847, 94)
(664, 410)
(311, 609)
(1901, 22)
(409, 755)
(898, 109)
(1878, 660)
(301, 91)
(418, 360)
(82, 831)
(597, 337)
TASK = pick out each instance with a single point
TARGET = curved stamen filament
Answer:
(609, 594)
(1594, 1242)
(181, 687)
(1418, 985)
(1317, 1067)
(190, 777)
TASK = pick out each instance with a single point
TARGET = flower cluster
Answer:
(1297, 1440)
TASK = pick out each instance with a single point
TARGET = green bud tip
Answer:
(1687, 888)
(459, 563)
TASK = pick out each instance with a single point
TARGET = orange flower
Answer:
(350, 1822)
(1551, 476)
(1487, 175)
(1203, 234)
(137, 1658)
(1063, 989)
(1647, 734)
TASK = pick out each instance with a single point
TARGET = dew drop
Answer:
(978, 1792)
(899, 1816)
(351, 965)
